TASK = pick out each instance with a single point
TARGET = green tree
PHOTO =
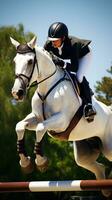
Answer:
(103, 89)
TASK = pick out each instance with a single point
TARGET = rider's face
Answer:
(57, 43)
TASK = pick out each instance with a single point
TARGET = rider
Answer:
(63, 46)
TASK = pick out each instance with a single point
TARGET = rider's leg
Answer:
(85, 93)
(86, 97)
(84, 63)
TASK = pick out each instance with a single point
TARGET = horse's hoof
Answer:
(28, 170)
(27, 167)
(41, 163)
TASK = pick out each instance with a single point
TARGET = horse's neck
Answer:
(46, 69)
(46, 85)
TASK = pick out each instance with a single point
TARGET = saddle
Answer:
(75, 82)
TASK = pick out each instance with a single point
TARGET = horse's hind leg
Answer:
(30, 122)
(107, 143)
(86, 157)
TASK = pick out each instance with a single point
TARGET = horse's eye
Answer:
(30, 62)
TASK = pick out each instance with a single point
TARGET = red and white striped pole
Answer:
(51, 186)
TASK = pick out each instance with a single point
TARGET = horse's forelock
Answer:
(24, 48)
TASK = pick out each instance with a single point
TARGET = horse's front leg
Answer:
(41, 160)
(30, 122)
(57, 122)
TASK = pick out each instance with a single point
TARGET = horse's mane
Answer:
(43, 52)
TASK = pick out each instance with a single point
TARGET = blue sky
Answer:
(86, 19)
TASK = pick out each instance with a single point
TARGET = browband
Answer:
(24, 48)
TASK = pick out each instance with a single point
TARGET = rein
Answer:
(47, 77)
(37, 83)
(59, 81)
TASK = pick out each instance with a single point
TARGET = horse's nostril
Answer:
(20, 93)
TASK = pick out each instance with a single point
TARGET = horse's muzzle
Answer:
(19, 95)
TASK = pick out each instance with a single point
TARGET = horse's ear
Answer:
(14, 42)
(32, 43)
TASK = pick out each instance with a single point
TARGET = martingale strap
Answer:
(49, 91)
(43, 98)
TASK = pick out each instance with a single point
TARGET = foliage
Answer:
(104, 89)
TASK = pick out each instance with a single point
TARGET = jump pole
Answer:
(51, 186)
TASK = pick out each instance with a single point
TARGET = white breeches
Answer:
(84, 63)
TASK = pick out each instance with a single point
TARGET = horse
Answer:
(54, 104)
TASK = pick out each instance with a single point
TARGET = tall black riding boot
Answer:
(89, 110)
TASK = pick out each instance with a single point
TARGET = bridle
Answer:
(22, 76)
(22, 49)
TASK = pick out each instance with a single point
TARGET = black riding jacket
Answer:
(73, 49)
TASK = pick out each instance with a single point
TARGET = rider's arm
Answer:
(56, 60)
(60, 62)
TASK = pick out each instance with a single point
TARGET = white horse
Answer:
(54, 104)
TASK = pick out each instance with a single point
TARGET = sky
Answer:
(86, 19)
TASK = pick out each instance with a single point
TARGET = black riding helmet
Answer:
(57, 30)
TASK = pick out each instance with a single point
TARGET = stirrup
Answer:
(89, 112)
